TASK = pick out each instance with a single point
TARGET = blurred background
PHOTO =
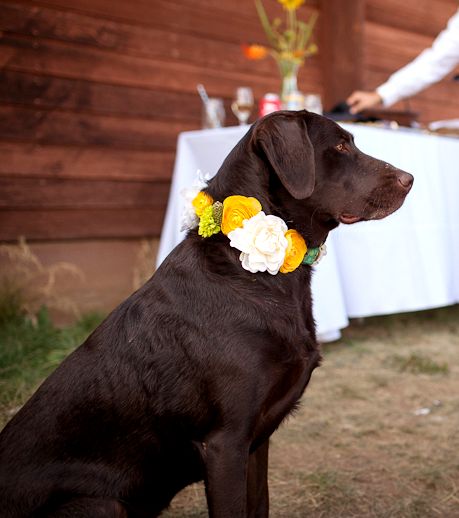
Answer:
(94, 93)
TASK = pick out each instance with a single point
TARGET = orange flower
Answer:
(200, 202)
(254, 52)
(236, 209)
(296, 249)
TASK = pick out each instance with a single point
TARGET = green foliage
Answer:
(30, 349)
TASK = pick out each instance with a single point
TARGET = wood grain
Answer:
(61, 128)
(78, 62)
(64, 193)
(214, 24)
(127, 39)
(425, 18)
(32, 160)
(86, 96)
(52, 225)
(341, 48)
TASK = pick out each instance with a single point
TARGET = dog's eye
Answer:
(342, 148)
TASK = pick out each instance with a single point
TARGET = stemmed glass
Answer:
(243, 104)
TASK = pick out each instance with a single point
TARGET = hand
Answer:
(359, 101)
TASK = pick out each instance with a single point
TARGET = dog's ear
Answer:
(285, 142)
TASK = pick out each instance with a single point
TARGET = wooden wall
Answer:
(92, 96)
(94, 92)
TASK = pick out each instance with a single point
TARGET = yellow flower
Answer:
(296, 249)
(291, 5)
(201, 201)
(236, 209)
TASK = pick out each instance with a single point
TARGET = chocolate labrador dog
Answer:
(188, 378)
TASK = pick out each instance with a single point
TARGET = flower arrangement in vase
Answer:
(289, 44)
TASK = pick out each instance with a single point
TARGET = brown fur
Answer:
(188, 378)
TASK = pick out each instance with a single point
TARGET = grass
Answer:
(355, 448)
(30, 349)
(419, 364)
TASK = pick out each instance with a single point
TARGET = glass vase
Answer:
(291, 97)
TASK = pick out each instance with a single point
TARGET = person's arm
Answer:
(428, 68)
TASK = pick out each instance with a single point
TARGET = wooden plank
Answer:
(151, 42)
(388, 48)
(80, 224)
(77, 62)
(213, 23)
(425, 18)
(244, 8)
(64, 193)
(37, 161)
(341, 43)
(51, 92)
(61, 128)
(86, 96)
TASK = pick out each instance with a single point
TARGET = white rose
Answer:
(262, 243)
(188, 218)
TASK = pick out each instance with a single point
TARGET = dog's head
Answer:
(318, 166)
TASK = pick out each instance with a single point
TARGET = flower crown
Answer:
(265, 242)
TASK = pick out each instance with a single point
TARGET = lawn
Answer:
(376, 434)
(30, 350)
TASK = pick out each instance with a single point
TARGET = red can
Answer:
(269, 103)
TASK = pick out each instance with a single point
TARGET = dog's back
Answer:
(190, 376)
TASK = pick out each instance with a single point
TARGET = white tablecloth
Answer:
(406, 262)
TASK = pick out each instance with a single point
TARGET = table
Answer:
(406, 262)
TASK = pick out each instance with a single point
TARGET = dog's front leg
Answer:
(257, 483)
(226, 475)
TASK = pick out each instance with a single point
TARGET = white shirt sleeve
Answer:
(428, 68)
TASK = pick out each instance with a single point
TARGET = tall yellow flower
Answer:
(236, 209)
(291, 5)
(296, 249)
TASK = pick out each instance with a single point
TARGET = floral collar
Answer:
(265, 242)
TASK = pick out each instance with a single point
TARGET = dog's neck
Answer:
(236, 176)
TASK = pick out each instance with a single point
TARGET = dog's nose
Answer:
(405, 179)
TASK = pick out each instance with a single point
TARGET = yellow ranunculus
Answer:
(236, 209)
(201, 201)
(291, 5)
(296, 249)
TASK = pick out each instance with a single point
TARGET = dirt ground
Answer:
(377, 434)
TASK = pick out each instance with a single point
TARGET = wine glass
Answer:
(243, 104)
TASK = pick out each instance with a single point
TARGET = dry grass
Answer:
(359, 447)
(28, 285)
